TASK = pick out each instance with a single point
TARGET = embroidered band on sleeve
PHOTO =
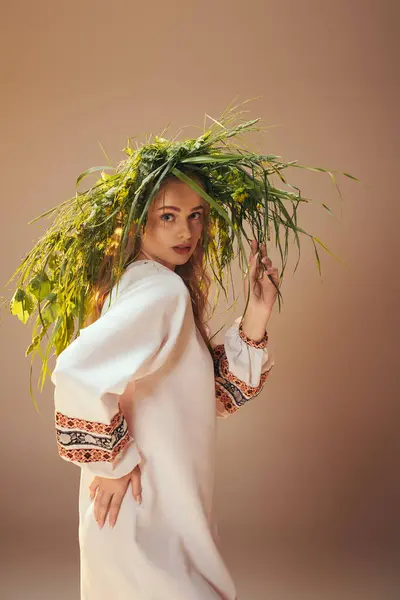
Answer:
(230, 390)
(261, 344)
(84, 441)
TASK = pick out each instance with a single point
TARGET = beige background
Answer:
(308, 474)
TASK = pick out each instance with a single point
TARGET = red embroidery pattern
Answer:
(102, 428)
(82, 441)
(247, 391)
(261, 344)
(86, 455)
(229, 389)
(222, 394)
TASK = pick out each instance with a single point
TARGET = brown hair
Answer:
(193, 272)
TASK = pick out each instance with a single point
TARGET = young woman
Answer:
(119, 284)
(136, 399)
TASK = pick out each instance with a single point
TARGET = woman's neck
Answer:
(144, 255)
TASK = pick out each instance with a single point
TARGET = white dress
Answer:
(140, 386)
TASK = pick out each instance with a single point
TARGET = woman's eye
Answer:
(171, 215)
(166, 215)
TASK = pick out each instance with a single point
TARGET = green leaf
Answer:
(35, 342)
(213, 158)
(50, 312)
(327, 208)
(326, 248)
(22, 305)
(88, 171)
(40, 286)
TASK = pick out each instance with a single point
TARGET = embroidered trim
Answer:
(223, 395)
(261, 344)
(84, 441)
(232, 392)
(91, 426)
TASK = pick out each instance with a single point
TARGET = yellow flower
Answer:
(240, 195)
(122, 194)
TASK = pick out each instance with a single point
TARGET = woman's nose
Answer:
(185, 232)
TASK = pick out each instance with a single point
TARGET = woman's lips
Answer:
(184, 250)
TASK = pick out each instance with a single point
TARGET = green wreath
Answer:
(57, 278)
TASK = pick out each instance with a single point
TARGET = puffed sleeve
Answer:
(135, 337)
(241, 369)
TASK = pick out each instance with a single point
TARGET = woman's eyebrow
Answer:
(178, 209)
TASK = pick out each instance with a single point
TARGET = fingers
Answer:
(93, 487)
(115, 505)
(264, 256)
(260, 263)
(254, 265)
(101, 505)
(253, 250)
(136, 484)
(264, 259)
(260, 271)
(109, 494)
(264, 251)
(261, 251)
(254, 259)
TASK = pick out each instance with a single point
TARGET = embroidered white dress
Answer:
(140, 386)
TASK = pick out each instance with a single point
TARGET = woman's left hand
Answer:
(262, 291)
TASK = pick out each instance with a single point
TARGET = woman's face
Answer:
(176, 217)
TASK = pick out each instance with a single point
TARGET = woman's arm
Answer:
(138, 335)
(241, 369)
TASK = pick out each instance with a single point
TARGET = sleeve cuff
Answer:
(123, 465)
(260, 344)
(107, 450)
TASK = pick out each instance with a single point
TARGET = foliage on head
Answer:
(95, 234)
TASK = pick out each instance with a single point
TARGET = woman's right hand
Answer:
(109, 494)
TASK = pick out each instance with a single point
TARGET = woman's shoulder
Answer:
(149, 278)
(146, 270)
